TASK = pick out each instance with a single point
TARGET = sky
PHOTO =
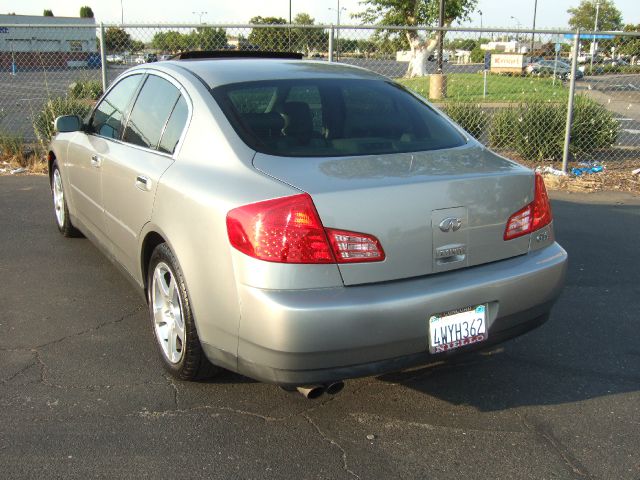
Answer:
(495, 13)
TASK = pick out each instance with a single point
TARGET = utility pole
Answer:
(594, 42)
(289, 25)
(533, 33)
(440, 35)
(200, 15)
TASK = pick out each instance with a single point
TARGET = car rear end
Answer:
(406, 240)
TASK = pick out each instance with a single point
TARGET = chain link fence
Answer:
(510, 89)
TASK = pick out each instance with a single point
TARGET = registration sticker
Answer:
(457, 328)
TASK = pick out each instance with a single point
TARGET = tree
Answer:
(415, 13)
(86, 12)
(171, 41)
(274, 39)
(307, 40)
(47, 13)
(628, 45)
(117, 40)
(207, 38)
(584, 16)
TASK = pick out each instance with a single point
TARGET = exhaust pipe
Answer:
(335, 387)
(311, 392)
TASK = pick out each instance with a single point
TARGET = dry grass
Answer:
(16, 154)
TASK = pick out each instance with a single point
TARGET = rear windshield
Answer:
(333, 117)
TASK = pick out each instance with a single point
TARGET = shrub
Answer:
(53, 108)
(594, 127)
(477, 55)
(469, 116)
(536, 130)
(86, 89)
(11, 145)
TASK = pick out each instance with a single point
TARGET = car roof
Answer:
(222, 71)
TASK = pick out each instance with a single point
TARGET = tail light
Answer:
(532, 217)
(289, 230)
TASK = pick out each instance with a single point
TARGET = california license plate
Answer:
(455, 329)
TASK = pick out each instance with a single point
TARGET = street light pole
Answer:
(518, 25)
(440, 35)
(200, 14)
(338, 10)
(533, 33)
(594, 43)
(480, 34)
(121, 13)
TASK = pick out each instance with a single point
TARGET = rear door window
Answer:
(151, 112)
(108, 117)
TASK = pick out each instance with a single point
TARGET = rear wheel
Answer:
(172, 320)
(63, 221)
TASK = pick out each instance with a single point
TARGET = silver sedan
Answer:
(304, 222)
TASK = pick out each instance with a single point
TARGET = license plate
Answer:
(451, 330)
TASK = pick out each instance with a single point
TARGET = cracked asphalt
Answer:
(83, 395)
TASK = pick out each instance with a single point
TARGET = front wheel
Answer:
(63, 221)
(172, 320)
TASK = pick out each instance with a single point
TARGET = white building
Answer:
(31, 41)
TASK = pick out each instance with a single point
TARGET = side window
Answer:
(175, 126)
(150, 112)
(108, 116)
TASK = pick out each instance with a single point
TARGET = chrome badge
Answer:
(450, 224)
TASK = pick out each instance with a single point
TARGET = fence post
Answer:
(331, 32)
(572, 89)
(103, 57)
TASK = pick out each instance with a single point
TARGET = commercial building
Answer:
(29, 42)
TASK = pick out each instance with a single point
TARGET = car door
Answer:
(131, 172)
(88, 149)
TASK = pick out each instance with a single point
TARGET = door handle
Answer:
(96, 161)
(143, 183)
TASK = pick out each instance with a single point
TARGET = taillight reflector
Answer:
(532, 217)
(289, 230)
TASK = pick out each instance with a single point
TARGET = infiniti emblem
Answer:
(450, 224)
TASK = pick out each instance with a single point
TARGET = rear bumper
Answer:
(313, 336)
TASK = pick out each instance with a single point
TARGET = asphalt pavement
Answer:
(83, 394)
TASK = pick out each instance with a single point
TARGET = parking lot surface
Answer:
(83, 394)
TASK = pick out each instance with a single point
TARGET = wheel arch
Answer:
(151, 240)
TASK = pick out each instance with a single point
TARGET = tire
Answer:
(172, 321)
(61, 211)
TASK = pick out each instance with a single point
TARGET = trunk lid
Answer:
(432, 211)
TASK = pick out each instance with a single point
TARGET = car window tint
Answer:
(175, 126)
(108, 115)
(310, 95)
(334, 117)
(253, 100)
(150, 112)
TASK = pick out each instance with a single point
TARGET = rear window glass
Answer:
(333, 117)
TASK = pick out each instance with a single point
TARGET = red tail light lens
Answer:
(283, 230)
(289, 230)
(532, 217)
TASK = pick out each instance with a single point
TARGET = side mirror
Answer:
(67, 123)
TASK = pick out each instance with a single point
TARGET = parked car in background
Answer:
(150, 57)
(303, 222)
(547, 68)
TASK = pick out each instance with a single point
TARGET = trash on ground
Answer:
(551, 170)
(636, 171)
(18, 170)
(587, 169)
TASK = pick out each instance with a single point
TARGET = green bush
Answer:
(469, 116)
(11, 145)
(86, 89)
(594, 127)
(536, 130)
(53, 108)
(503, 128)
(477, 55)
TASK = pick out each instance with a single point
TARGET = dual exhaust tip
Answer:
(312, 392)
